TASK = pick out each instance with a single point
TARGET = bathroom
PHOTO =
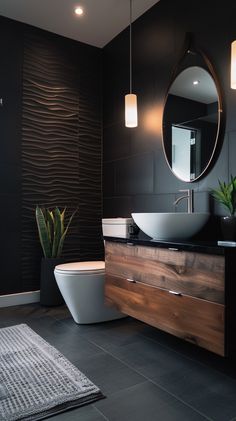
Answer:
(89, 160)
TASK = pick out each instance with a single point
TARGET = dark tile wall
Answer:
(135, 174)
(11, 47)
(50, 147)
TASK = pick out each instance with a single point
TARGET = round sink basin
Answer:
(170, 226)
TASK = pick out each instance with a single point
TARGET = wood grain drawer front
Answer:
(195, 274)
(197, 321)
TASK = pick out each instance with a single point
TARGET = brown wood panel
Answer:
(195, 274)
(197, 321)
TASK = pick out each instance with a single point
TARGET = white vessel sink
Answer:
(170, 226)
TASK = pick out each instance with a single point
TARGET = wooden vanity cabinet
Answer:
(181, 292)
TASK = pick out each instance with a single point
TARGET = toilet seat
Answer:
(81, 268)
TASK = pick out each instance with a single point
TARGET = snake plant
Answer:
(226, 195)
(52, 230)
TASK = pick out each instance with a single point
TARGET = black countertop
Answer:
(195, 246)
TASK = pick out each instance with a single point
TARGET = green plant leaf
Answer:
(50, 225)
(57, 232)
(43, 231)
(63, 220)
(65, 232)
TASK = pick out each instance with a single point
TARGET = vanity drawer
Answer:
(198, 321)
(195, 274)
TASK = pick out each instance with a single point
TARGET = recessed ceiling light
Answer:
(79, 11)
(196, 82)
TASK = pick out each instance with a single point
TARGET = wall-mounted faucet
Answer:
(188, 196)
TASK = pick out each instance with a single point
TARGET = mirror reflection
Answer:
(191, 123)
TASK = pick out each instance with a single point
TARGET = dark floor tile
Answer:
(149, 358)
(22, 313)
(49, 326)
(202, 387)
(18, 314)
(210, 392)
(68, 341)
(109, 374)
(75, 348)
(114, 334)
(59, 312)
(142, 370)
(85, 413)
(191, 351)
(50, 329)
(125, 327)
(146, 402)
(104, 339)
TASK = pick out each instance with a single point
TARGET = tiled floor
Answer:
(146, 375)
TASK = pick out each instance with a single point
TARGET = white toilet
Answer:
(82, 283)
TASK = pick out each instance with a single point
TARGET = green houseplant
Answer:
(52, 232)
(226, 195)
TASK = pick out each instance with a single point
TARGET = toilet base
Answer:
(115, 315)
(84, 297)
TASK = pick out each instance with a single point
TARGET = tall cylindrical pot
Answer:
(49, 292)
(228, 228)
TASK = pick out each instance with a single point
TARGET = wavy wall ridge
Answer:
(61, 152)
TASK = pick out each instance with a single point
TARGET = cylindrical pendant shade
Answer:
(233, 65)
(131, 113)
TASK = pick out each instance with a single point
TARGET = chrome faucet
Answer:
(188, 196)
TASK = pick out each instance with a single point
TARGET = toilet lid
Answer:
(75, 267)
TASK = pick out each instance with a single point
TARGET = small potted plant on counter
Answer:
(52, 233)
(226, 195)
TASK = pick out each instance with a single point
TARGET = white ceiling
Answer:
(101, 22)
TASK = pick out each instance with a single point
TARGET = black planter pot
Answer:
(228, 227)
(49, 291)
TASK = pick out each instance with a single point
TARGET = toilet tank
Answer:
(117, 227)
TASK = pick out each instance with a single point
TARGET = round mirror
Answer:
(191, 123)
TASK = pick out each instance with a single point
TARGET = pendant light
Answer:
(131, 114)
(233, 65)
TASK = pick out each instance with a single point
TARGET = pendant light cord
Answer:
(130, 48)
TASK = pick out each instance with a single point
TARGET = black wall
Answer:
(51, 160)
(136, 176)
(50, 147)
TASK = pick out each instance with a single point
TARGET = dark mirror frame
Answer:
(195, 57)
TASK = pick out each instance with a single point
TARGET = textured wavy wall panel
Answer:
(61, 149)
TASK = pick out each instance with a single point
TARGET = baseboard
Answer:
(18, 299)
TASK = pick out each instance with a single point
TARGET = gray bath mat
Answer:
(36, 380)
